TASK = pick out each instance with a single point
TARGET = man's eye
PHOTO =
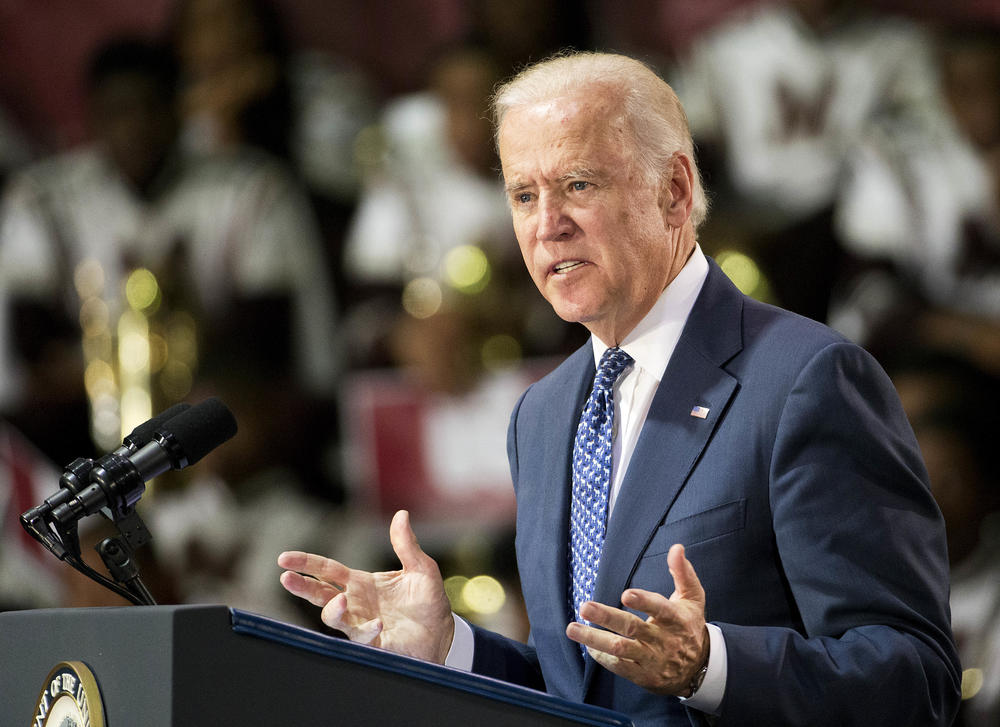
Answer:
(524, 197)
(579, 186)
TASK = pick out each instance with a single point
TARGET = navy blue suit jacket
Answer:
(804, 506)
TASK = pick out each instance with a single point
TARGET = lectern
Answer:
(187, 666)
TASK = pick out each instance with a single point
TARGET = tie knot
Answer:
(613, 362)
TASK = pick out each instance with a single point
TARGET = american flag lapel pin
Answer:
(700, 412)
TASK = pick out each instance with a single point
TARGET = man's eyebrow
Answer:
(579, 173)
(515, 187)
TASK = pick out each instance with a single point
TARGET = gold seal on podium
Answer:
(69, 698)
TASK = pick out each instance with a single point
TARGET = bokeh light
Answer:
(467, 269)
(741, 269)
(99, 379)
(142, 291)
(500, 352)
(454, 587)
(94, 317)
(972, 682)
(483, 595)
(89, 278)
(422, 297)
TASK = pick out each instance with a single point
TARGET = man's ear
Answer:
(677, 196)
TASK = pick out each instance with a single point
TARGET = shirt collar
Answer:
(652, 342)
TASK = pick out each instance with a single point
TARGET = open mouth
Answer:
(566, 266)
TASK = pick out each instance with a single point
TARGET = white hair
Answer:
(651, 108)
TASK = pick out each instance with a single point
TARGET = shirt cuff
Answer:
(463, 646)
(713, 688)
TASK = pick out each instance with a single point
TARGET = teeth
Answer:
(567, 266)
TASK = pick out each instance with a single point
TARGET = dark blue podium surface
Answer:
(185, 666)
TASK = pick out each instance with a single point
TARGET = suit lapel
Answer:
(671, 442)
(543, 508)
(672, 439)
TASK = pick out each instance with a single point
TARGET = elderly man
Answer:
(716, 435)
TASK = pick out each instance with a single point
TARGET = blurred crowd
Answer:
(308, 222)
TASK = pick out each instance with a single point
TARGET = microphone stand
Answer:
(121, 565)
(61, 538)
(118, 553)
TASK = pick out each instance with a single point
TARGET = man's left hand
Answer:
(662, 653)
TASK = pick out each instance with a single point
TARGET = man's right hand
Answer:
(405, 611)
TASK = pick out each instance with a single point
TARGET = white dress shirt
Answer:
(650, 344)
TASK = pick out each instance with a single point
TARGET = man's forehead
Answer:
(566, 132)
(596, 104)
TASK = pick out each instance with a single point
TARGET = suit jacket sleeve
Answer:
(503, 658)
(860, 542)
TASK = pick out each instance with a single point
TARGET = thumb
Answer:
(404, 542)
(686, 584)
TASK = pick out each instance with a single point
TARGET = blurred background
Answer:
(294, 205)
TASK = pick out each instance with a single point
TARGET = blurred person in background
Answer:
(244, 83)
(954, 407)
(781, 97)
(223, 245)
(235, 89)
(923, 211)
(40, 341)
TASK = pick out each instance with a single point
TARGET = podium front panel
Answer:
(185, 666)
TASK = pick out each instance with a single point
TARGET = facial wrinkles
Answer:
(614, 227)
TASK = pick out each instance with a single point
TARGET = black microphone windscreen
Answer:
(201, 428)
(143, 434)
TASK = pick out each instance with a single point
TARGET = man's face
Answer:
(590, 226)
(134, 120)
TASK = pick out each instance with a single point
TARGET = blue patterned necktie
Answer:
(592, 479)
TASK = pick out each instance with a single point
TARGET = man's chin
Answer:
(573, 313)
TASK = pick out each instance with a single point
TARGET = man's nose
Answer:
(553, 221)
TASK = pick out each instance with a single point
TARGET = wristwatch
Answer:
(699, 676)
(697, 680)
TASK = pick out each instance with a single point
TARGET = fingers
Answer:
(652, 604)
(615, 619)
(622, 667)
(333, 612)
(312, 577)
(312, 590)
(686, 583)
(324, 569)
(599, 639)
(614, 624)
(335, 615)
(659, 653)
(367, 632)
(404, 543)
(659, 642)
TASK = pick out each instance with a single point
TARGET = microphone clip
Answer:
(115, 486)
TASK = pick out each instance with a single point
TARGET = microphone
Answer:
(119, 479)
(77, 472)
(143, 433)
